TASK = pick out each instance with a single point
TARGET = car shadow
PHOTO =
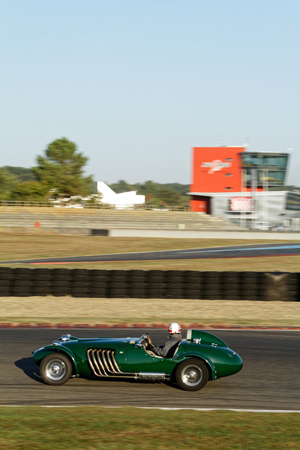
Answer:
(29, 368)
(126, 380)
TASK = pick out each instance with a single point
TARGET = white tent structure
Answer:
(120, 201)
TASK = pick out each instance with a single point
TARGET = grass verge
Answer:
(54, 310)
(135, 429)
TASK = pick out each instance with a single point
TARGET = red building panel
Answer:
(215, 169)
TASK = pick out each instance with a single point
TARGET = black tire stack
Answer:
(22, 282)
(61, 282)
(118, 284)
(194, 284)
(156, 284)
(175, 284)
(251, 286)
(280, 286)
(99, 280)
(42, 281)
(5, 281)
(213, 285)
(80, 283)
(138, 284)
(232, 286)
(293, 287)
(170, 284)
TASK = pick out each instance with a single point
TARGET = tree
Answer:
(61, 170)
(29, 191)
(169, 197)
(7, 182)
(149, 187)
(121, 186)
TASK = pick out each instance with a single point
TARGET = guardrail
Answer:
(75, 206)
(172, 284)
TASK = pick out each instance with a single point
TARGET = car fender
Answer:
(39, 354)
(201, 356)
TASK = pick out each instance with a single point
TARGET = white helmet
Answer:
(174, 328)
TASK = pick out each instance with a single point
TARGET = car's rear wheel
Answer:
(56, 369)
(192, 374)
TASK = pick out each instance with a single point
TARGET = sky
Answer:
(137, 83)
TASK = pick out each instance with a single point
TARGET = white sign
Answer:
(241, 204)
(216, 165)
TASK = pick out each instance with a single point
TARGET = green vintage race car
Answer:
(197, 359)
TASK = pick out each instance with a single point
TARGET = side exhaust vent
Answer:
(102, 362)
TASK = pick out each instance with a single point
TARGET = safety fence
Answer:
(176, 284)
(87, 205)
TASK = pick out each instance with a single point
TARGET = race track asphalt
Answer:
(238, 251)
(269, 380)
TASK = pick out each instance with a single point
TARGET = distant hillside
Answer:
(149, 187)
(21, 173)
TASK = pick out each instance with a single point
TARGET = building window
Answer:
(228, 174)
(228, 188)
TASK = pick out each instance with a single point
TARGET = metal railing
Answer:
(147, 207)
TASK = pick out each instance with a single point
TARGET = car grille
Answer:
(102, 362)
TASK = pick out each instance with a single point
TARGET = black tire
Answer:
(119, 276)
(4, 291)
(175, 292)
(175, 276)
(22, 274)
(137, 293)
(21, 292)
(80, 293)
(40, 292)
(118, 293)
(56, 369)
(61, 275)
(80, 275)
(156, 293)
(98, 284)
(98, 274)
(192, 374)
(5, 273)
(40, 275)
(193, 294)
(193, 276)
(96, 294)
(156, 276)
(137, 276)
(59, 292)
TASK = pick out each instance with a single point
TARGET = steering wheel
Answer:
(146, 341)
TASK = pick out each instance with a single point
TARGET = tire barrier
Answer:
(61, 282)
(22, 282)
(5, 281)
(280, 286)
(164, 284)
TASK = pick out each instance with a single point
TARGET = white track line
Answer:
(265, 411)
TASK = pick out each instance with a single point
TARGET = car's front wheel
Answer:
(56, 368)
(192, 374)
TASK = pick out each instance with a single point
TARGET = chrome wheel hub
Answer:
(192, 375)
(55, 369)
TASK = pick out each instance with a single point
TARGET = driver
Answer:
(173, 340)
